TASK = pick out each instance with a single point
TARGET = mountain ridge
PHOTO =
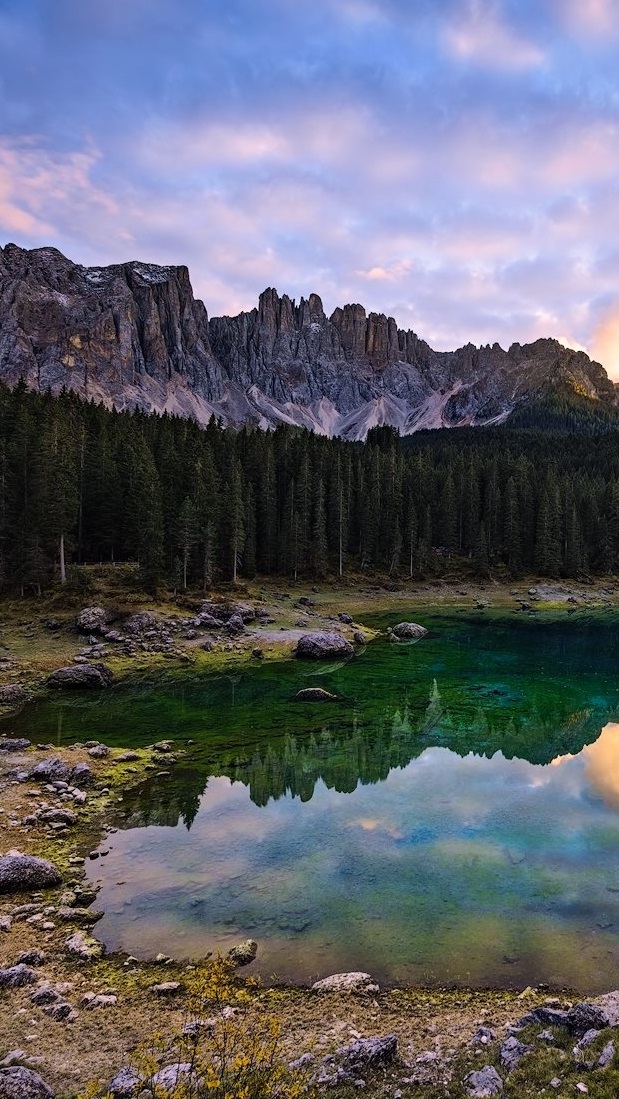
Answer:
(133, 335)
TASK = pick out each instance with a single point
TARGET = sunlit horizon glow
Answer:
(453, 165)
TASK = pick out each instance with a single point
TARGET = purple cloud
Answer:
(454, 164)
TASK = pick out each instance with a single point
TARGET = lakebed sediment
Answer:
(98, 1041)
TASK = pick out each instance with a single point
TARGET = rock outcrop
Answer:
(133, 335)
(80, 677)
(323, 645)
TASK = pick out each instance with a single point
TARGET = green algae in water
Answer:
(452, 818)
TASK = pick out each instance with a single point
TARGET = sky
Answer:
(453, 163)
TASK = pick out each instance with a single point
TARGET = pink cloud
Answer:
(594, 18)
(482, 37)
(605, 341)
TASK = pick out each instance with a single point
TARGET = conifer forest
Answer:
(195, 506)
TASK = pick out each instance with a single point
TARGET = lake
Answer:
(452, 819)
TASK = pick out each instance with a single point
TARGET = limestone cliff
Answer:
(133, 335)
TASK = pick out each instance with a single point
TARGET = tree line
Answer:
(80, 483)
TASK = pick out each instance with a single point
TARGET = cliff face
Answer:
(133, 335)
(130, 334)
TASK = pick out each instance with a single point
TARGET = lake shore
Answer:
(434, 1027)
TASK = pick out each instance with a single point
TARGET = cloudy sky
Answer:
(454, 163)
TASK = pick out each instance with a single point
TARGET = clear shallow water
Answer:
(454, 818)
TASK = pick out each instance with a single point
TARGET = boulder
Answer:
(81, 775)
(235, 624)
(324, 645)
(484, 1083)
(314, 694)
(17, 1082)
(17, 976)
(84, 946)
(244, 952)
(11, 693)
(409, 631)
(137, 623)
(21, 872)
(92, 620)
(172, 1076)
(59, 816)
(19, 744)
(370, 1052)
(347, 982)
(345, 618)
(600, 1013)
(125, 1084)
(81, 677)
(50, 770)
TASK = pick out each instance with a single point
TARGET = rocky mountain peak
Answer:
(133, 334)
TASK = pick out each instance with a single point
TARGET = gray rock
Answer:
(100, 751)
(409, 631)
(78, 915)
(81, 677)
(323, 645)
(58, 816)
(512, 1052)
(138, 623)
(597, 1015)
(235, 624)
(482, 1036)
(369, 1052)
(548, 1016)
(347, 982)
(21, 872)
(587, 1040)
(60, 1011)
(84, 946)
(172, 1075)
(19, 744)
(92, 1001)
(314, 694)
(483, 1083)
(17, 976)
(244, 952)
(606, 1056)
(49, 770)
(125, 1084)
(11, 694)
(92, 620)
(81, 775)
(345, 618)
(608, 1005)
(22, 1083)
(45, 995)
(166, 988)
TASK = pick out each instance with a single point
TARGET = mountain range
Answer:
(134, 336)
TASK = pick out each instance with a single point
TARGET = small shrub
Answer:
(230, 1047)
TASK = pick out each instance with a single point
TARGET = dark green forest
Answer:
(195, 506)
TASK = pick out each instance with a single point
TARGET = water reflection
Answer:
(454, 868)
(343, 755)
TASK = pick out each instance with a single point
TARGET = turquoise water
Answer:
(452, 818)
